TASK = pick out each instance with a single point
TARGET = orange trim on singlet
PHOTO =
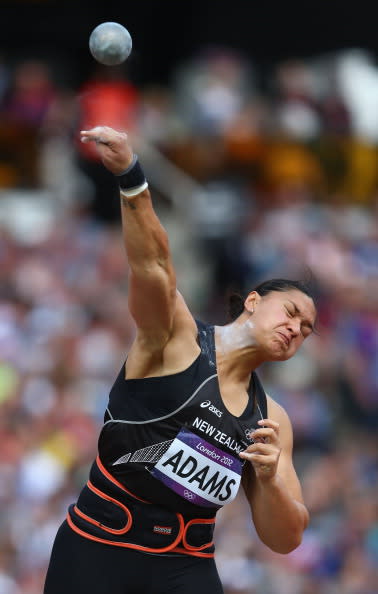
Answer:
(130, 545)
(181, 536)
(99, 524)
(114, 480)
(190, 523)
(181, 550)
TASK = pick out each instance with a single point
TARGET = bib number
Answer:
(199, 471)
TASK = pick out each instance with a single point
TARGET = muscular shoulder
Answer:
(147, 358)
(275, 410)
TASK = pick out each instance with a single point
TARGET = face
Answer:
(281, 322)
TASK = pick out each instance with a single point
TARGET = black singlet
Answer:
(168, 459)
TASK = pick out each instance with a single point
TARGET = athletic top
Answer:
(171, 442)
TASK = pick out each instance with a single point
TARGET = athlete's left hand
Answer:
(265, 452)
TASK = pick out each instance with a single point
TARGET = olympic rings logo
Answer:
(189, 494)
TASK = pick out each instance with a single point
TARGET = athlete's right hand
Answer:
(113, 146)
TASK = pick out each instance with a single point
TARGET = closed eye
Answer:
(306, 330)
(306, 327)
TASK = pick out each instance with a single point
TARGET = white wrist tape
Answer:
(134, 191)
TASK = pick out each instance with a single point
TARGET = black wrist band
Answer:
(133, 177)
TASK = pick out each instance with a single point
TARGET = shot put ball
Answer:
(110, 43)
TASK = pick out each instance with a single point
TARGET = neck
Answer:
(236, 348)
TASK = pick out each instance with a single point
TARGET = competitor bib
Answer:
(199, 471)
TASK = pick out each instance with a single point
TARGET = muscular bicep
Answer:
(152, 279)
(152, 354)
(152, 302)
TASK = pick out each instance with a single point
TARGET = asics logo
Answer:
(211, 407)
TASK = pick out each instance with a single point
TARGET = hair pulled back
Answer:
(236, 301)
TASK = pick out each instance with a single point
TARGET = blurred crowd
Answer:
(255, 175)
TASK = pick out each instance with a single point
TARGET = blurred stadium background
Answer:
(258, 128)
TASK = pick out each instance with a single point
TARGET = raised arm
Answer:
(152, 282)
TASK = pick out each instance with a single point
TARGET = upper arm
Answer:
(152, 277)
(152, 302)
(285, 467)
(154, 354)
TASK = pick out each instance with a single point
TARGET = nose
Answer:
(295, 327)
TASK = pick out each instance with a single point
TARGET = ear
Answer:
(251, 301)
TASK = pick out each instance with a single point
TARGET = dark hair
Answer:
(236, 301)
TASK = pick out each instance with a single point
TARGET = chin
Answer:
(280, 356)
(278, 352)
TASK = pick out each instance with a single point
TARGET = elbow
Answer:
(288, 541)
(287, 546)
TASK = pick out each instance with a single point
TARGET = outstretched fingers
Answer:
(113, 147)
(102, 135)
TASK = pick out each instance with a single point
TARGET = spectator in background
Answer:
(358, 370)
(357, 79)
(107, 96)
(208, 93)
(25, 104)
(295, 101)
